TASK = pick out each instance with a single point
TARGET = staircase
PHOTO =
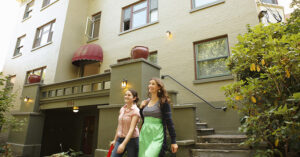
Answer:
(210, 144)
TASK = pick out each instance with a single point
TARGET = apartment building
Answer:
(80, 50)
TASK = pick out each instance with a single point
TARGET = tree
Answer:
(266, 62)
(6, 99)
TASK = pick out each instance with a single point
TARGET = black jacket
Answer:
(167, 123)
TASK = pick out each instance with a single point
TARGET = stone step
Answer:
(220, 153)
(221, 138)
(201, 125)
(224, 146)
(205, 131)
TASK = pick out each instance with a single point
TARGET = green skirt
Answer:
(151, 137)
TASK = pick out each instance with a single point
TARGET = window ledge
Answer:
(270, 5)
(207, 5)
(213, 79)
(93, 39)
(48, 5)
(134, 29)
(16, 56)
(26, 18)
(41, 46)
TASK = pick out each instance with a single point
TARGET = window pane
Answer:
(198, 3)
(44, 39)
(212, 68)
(154, 15)
(75, 89)
(21, 41)
(96, 28)
(107, 85)
(19, 46)
(126, 25)
(46, 2)
(153, 4)
(212, 49)
(153, 58)
(68, 91)
(139, 19)
(127, 13)
(44, 94)
(97, 86)
(269, 1)
(59, 92)
(46, 28)
(86, 88)
(140, 6)
(96, 17)
(28, 9)
(51, 93)
(37, 72)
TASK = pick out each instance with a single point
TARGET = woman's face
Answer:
(128, 97)
(153, 87)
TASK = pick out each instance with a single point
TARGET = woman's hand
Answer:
(121, 148)
(113, 142)
(174, 148)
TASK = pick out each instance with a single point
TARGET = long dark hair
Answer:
(162, 93)
(135, 95)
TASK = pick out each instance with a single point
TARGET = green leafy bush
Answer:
(266, 62)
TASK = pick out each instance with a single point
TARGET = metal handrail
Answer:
(223, 108)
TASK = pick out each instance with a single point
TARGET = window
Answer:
(28, 9)
(107, 85)
(47, 2)
(43, 35)
(19, 45)
(93, 26)
(68, 91)
(59, 92)
(153, 57)
(97, 86)
(210, 57)
(270, 1)
(51, 93)
(204, 3)
(139, 14)
(10, 82)
(40, 71)
(86, 88)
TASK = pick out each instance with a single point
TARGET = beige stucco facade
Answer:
(227, 18)
(175, 57)
(32, 58)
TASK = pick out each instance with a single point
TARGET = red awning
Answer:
(88, 53)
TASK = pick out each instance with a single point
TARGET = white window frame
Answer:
(19, 46)
(274, 2)
(40, 33)
(42, 73)
(28, 9)
(148, 9)
(207, 4)
(47, 2)
(90, 26)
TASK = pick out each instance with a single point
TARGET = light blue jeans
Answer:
(132, 148)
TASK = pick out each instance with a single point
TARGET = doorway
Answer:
(64, 130)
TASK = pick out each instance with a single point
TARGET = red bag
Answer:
(110, 150)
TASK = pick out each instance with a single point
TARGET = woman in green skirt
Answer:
(156, 115)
